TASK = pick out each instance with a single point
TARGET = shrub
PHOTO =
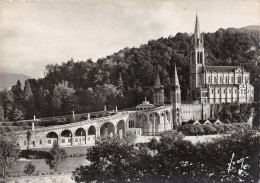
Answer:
(219, 128)
(227, 127)
(37, 154)
(209, 129)
(29, 168)
(153, 144)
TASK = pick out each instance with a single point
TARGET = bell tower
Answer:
(197, 59)
(175, 97)
(158, 93)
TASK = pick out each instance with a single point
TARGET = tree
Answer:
(28, 99)
(17, 115)
(43, 98)
(111, 160)
(29, 168)
(2, 113)
(120, 85)
(18, 93)
(9, 153)
(8, 104)
(28, 137)
(55, 156)
(62, 93)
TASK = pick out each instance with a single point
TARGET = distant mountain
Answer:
(252, 28)
(7, 80)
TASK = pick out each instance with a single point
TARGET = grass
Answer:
(65, 165)
(70, 150)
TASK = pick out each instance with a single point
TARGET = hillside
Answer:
(125, 78)
(252, 28)
(7, 80)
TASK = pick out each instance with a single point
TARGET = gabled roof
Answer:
(221, 68)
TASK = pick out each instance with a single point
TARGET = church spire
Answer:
(157, 81)
(175, 79)
(198, 40)
(197, 27)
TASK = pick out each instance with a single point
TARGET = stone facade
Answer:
(216, 84)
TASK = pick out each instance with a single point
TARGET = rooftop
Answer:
(221, 68)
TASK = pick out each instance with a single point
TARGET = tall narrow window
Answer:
(201, 57)
(215, 79)
(226, 79)
(198, 57)
(239, 79)
(220, 80)
(232, 79)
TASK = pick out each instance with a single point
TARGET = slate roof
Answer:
(222, 85)
(221, 68)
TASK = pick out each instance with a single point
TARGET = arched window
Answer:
(220, 80)
(201, 57)
(215, 79)
(198, 57)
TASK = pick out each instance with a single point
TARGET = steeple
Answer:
(158, 91)
(198, 40)
(157, 82)
(197, 27)
(175, 80)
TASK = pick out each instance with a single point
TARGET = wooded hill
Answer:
(124, 78)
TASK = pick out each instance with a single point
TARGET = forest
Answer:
(124, 78)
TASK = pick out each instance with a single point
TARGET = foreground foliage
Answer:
(55, 155)
(9, 152)
(209, 129)
(29, 168)
(173, 159)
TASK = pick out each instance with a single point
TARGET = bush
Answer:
(209, 129)
(153, 144)
(213, 128)
(219, 128)
(37, 154)
(29, 168)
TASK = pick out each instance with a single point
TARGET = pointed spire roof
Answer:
(197, 27)
(176, 78)
(157, 81)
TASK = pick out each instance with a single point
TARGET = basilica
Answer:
(216, 84)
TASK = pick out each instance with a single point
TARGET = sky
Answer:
(36, 33)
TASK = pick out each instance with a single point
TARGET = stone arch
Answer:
(121, 128)
(92, 130)
(80, 132)
(66, 137)
(51, 137)
(80, 136)
(91, 136)
(107, 129)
